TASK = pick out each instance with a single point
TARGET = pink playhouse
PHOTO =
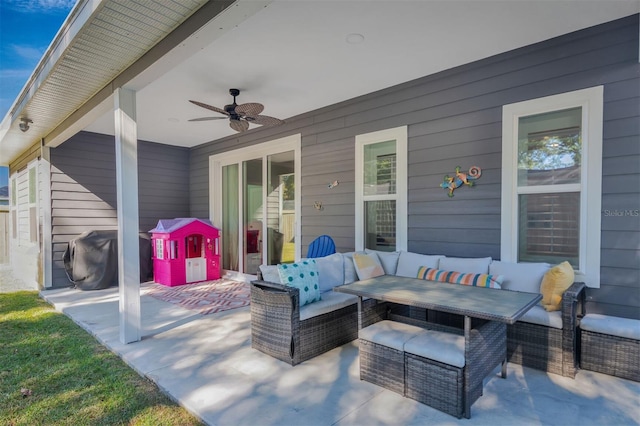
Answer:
(185, 250)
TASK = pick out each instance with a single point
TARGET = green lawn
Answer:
(52, 372)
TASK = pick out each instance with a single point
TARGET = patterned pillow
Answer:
(367, 265)
(304, 276)
(476, 280)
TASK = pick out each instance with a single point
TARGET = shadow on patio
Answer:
(207, 364)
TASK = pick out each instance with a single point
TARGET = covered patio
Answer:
(444, 80)
(207, 364)
(412, 90)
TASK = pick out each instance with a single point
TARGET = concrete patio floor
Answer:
(206, 363)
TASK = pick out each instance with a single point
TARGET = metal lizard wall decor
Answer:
(460, 178)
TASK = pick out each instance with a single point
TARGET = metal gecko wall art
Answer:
(460, 178)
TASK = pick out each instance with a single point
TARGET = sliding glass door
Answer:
(281, 211)
(252, 214)
(230, 204)
(254, 202)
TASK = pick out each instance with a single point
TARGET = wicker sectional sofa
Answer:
(545, 347)
(610, 345)
(279, 330)
(284, 330)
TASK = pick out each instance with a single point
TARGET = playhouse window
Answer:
(159, 249)
(173, 249)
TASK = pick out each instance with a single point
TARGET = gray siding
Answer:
(83, 189)
(454, 118)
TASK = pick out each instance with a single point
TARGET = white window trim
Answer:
(591, 101)
(45, 213)
(16, 207)
(35, 205)
(13, 207)
(399, 134)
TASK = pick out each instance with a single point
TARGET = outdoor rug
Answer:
(205, 297)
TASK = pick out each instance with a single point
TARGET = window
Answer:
(159, 249)
(33, 207)
(14, 208)
(551, 181)
(24, 205)
(381, 190)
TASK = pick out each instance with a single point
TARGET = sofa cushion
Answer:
(330, 271)
(447, 348)
(270, 273)
(554, 283)
(454, 277)
(367, 265)
(477, 265)
(525, 277)
(390, 333)
(614, 326)
(537, 315)
(350, 274)
(388, 260)
(409, 263)
(330, 302)
(304, 276)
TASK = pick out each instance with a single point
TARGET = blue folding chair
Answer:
(321, 246)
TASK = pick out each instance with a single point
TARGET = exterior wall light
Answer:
(24, 124)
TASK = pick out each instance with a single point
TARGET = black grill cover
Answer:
(91, 259)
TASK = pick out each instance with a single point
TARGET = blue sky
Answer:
(4, 171)
(27, 27)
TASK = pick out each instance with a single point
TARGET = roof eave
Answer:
(54, 125)
(80, 14)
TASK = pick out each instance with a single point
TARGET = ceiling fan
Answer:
(239, 115)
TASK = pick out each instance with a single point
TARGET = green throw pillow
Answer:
(304, 276)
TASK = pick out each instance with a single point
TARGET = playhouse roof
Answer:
(171, 225)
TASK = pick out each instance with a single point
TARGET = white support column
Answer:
(45, 207)
(127, 185)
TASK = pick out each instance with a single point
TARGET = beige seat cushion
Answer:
(439, 346)
(390, 333)
(330, 301)
(537, 315)
(614, 326)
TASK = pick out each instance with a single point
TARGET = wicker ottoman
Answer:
(434, 365)
(382, 353)
(610, 345)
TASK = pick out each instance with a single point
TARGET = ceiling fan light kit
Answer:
(239, 115)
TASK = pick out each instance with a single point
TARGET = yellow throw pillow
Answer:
(554, 283)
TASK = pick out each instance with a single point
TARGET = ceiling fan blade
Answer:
(209, 107)
(239, 125)
(265, 120)
(249, 110)
(208, 118)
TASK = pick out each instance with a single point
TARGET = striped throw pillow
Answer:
(453, 277)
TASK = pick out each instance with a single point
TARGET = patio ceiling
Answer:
(291, 56)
